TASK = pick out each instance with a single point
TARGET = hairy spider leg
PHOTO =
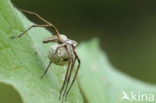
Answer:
(16, 36)
(78, 67)
(50, 39)
(52, 60)
(65, 79)
(70, 60)
(45, 21)
(67, 72)
(72, 66)
(68, 79)
(68, 48)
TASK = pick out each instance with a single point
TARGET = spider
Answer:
(62, 53)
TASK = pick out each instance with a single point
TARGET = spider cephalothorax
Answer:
(60, 54)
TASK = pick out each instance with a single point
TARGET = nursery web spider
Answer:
(63, 43)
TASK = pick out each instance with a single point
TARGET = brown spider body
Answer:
(62, 53)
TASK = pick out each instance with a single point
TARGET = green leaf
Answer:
(100, 82)
(23, 60)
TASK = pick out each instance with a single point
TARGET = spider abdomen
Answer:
(61, 57)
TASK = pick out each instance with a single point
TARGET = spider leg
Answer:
(45, 21)
(70, 60)
(65, 79)
(79, 61)
(50, 39)
(52, 60)
(68, 79)
(29, 29)
(72, 66)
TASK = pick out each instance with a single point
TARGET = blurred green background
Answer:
(126, 29)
